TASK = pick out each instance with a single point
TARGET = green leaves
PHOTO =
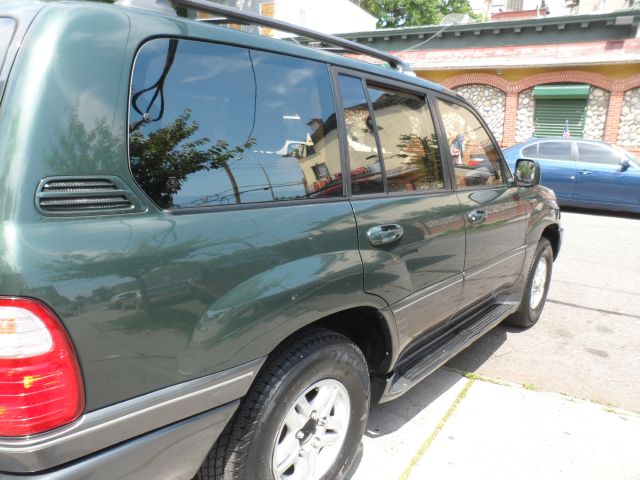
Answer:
(409, 13)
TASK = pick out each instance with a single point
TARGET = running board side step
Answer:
(436, 353)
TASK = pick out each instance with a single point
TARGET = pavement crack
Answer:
(599, 310)
(427, 443)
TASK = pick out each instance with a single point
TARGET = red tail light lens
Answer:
(40, 380)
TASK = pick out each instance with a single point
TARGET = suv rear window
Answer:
(7, 27)
(214, 125)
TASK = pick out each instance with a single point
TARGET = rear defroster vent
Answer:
(74, 196)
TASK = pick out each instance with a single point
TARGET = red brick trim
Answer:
(561, 76)
(478, 79)
(510, 117)
(568, 76)
(614, 113)
(630, 83)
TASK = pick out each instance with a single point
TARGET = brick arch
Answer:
(568, 76)
(630, 83)
(478, 79)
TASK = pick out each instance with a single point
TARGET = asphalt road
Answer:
(587, 341)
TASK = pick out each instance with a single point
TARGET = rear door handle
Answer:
(383, 234)
(585, 172)
(477, 216)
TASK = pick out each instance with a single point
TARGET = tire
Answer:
(535, 294)
(274, 414)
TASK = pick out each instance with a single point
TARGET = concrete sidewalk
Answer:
(454, 427)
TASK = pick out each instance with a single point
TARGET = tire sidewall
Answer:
(339, 362)
(543, 251)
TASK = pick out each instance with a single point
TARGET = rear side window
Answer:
(408, 140)
(554, 150)
(7, 27)
(215, 125)
(530, 152)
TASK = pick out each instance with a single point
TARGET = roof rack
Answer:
(254, 19)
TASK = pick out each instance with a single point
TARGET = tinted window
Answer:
(554, 150)
(597, 154)
(408, 140)
(218, 125)
(530, 152)
(364, 161)
(7, 26)
(475, 157)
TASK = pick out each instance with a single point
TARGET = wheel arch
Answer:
(552, 233)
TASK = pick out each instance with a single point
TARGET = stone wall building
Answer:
(584, 68)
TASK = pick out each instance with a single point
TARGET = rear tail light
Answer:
(40, 380)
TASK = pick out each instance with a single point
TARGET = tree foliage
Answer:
(409, 13)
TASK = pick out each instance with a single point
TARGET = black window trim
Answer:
(373, 81)
(507, 178)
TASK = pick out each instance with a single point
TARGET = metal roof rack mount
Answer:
(243, 17)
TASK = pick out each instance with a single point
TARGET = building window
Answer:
(321, 171)
(560, 110)
(514, 5)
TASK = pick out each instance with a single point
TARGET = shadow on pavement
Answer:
(600, 213)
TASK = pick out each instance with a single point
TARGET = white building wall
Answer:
(327, 16)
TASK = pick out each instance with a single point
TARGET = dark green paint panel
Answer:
(154, 300)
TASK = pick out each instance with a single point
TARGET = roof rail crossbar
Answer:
(251, 18)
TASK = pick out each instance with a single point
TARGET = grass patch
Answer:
(427, 443)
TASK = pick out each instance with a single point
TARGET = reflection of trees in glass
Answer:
(423, 152)
(162, 160)
(79, 147)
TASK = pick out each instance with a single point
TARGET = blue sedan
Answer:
(584, 173)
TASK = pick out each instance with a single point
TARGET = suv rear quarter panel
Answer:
(216, 289)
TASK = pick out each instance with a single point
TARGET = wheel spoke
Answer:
(334, 423)
(294, 421)
(329, 439)
(287, 461)
(303, 407)
(325, 400)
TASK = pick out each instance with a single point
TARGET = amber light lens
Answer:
(40, 380)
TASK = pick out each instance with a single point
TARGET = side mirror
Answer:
(527, 173)
(624, 165)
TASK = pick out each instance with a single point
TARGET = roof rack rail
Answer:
(254, 19)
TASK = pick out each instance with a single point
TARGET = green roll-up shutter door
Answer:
(557, 105)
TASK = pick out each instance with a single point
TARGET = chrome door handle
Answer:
(477, 216)
(382, 234)
(585, 172)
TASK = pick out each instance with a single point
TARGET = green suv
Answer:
(219, 249)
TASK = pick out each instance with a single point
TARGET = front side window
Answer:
(215, 125)
(408, 140)
(591, 153)
(475, 157)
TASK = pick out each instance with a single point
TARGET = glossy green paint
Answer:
(430, 251)
(214, 289)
